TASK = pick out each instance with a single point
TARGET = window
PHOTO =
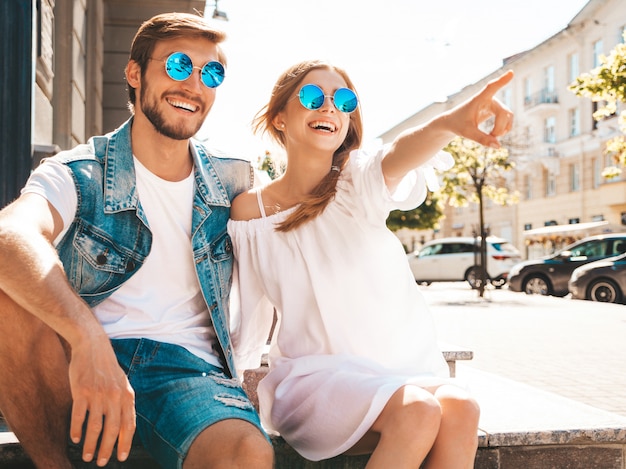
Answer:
(574, 177)
(527, 91)
(597, 173)
(549, 130)
(591, 249)
(548, 79)
(574, 67)
(574, 122)
(506, 98)
(597, 52)
(550, 179)
(528, 187)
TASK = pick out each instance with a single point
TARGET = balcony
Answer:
(542, 102)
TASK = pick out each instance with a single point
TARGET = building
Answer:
(63, 75)
(557, 146)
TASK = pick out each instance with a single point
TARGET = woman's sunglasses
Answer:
(312, 97)
(179, 67)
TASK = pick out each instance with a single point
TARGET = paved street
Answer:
(570, 347)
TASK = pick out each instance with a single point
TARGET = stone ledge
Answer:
(521, 427)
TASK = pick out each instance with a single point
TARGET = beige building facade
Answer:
(557, 147)
(81, 49)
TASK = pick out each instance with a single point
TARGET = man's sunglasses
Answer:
(179, 67)
(313, 97)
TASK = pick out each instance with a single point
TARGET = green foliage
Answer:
(606, 84)
(271, 166)
(478, 173)
(424, 217)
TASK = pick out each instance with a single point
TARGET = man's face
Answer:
(176, 109)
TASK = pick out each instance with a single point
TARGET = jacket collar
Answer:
(120, 188)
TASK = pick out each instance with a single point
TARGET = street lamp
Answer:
(219, 14)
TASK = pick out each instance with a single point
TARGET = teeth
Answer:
(321, 125)
(183, 105)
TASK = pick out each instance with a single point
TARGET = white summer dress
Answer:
(353, 326)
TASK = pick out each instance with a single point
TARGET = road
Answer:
(570, 347)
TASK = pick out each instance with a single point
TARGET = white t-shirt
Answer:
(162, 301)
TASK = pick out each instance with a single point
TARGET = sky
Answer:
(402, 55)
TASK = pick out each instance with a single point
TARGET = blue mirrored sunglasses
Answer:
(179, 67)
(312, 97)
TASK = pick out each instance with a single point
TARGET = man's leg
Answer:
(35, 396)
(230, 444)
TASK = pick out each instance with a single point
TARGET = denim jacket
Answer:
(109, 238)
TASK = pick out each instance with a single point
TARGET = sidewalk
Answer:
(570, 347)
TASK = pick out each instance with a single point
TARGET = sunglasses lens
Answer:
(311, 97)
(345, 100)
(213, 74)
(178, 66)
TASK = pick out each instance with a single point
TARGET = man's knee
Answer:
(230, 444)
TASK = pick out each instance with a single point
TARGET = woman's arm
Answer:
(415, 146)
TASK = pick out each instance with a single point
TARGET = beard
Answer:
(150, 108)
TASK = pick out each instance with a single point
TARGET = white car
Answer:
(458, 258)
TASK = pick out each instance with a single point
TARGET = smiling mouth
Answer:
(323, 126)
(182, 105)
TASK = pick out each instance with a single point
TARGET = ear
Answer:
(279, 123)
(133, 74)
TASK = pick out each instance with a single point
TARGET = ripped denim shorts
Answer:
(177, 396)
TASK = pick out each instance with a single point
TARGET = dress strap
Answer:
(260, 202)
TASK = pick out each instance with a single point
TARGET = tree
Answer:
(478, 174)
(424, 217)
(606, 85)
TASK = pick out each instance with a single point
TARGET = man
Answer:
(115, 270)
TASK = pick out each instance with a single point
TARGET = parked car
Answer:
(603, 281)
(549, 275)
(457, 258)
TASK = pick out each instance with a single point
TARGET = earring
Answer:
(281, 126)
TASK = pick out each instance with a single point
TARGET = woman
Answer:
(354, 363)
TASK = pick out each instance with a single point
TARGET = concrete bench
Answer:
(521, 427)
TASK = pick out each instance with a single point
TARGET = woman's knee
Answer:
(412, 409)
(458, 404)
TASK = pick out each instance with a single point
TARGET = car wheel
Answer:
(604, 291)
(472, 276)
(537, 285)
(423, 283)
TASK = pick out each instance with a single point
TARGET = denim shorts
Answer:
(177, 396)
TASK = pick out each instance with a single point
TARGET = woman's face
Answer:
(322, 129)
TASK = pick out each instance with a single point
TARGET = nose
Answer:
(194, 82)
(327, 105)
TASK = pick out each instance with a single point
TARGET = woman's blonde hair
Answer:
(284, 89)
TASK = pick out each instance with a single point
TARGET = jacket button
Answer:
(101, 259)
(130, 266)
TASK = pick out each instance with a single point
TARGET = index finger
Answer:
(497, 83)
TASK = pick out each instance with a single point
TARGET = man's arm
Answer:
(32, 275)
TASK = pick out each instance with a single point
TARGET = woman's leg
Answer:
(457, 440)
(404, 432)
(438, 426)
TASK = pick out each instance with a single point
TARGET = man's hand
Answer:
(102, 395)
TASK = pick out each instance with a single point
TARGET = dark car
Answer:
(549, 275)
(603, 280)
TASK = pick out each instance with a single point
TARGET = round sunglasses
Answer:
(312, 97)
(179, 67)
